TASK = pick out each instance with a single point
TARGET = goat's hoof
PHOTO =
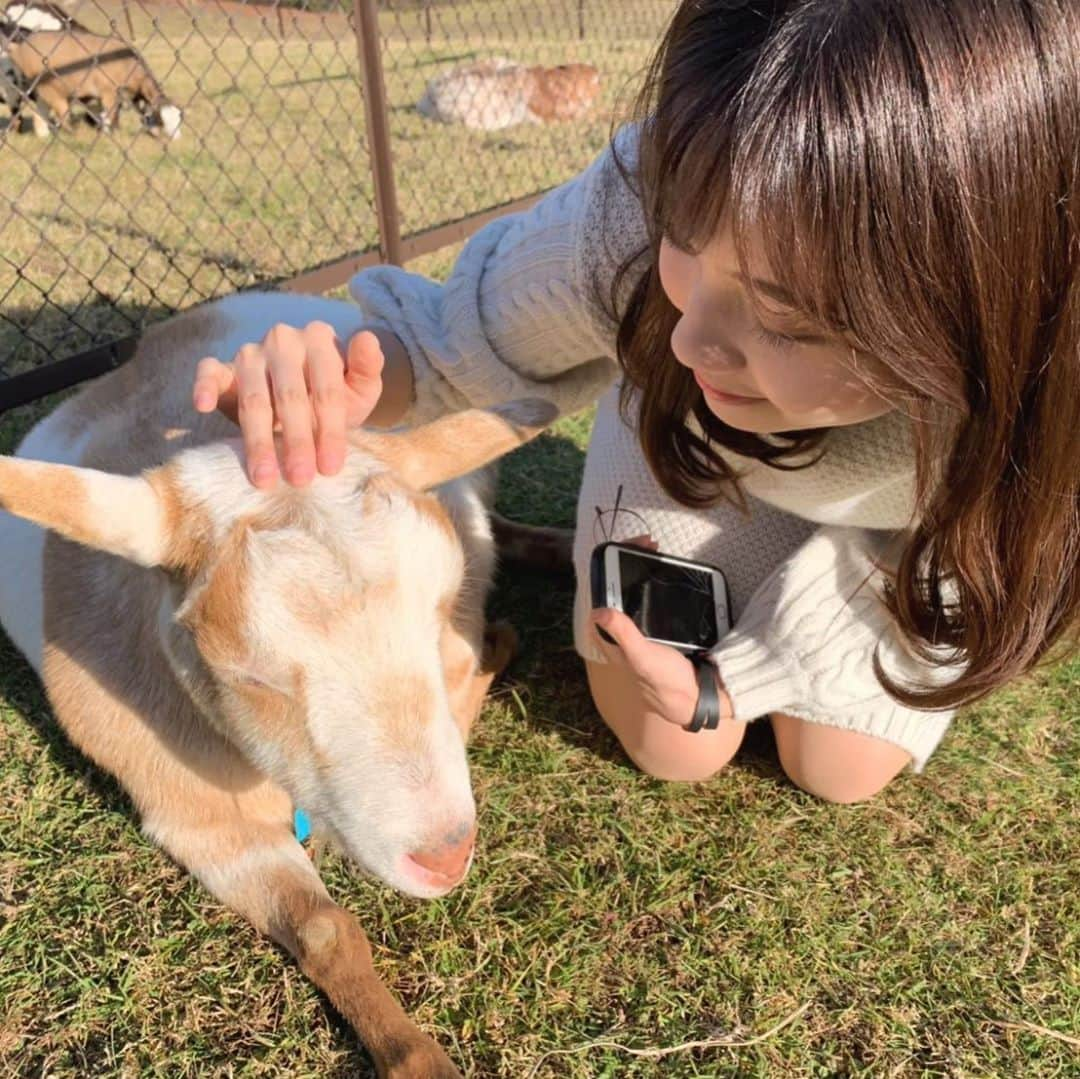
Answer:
(420, 1059)
(500, 646)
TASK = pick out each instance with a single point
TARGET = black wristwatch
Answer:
(706, 715)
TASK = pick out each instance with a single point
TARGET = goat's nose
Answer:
(450, 859)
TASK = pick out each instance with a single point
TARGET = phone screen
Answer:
(668, 602)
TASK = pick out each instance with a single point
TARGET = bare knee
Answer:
(658, 748)
(840, 791)
(833, 764)
(681, 764)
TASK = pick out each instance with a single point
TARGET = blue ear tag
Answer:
(301, 825)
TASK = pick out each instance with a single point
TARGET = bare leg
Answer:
(835, 764)
(654, 745)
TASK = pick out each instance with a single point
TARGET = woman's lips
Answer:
(722, 396)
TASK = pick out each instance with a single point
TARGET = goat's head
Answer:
(160, 115)
(312, 627)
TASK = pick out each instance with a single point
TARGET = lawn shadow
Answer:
(42, 343)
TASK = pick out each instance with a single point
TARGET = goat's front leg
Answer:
(262, 872)
(334, 953)
(40, 120)
(110, 109)
(51, 97)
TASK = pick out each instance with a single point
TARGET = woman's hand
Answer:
(663, 677)
(301, 382)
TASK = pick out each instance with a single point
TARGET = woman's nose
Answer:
(703, 347)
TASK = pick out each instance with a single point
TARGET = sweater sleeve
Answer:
(805, 641)
(523, 311)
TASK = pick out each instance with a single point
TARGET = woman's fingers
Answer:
(214, 381)
(298, 382)
(363, 375)
(629, 640)
(644, 540)
(255, 414)
(326, 376)
(664, 675)
(286, 352)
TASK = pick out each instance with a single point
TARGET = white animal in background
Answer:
(30, 16)
(228, 653)
(493, 94)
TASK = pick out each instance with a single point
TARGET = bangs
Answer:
(833, 146)
(689, 110)
(847, 171)
(831, 179)
(690, 181)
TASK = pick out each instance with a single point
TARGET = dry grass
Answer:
(933, 932)
(271, 173)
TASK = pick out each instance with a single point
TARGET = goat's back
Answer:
(56, 48)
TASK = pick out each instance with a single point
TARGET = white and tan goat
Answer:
(228, 653)
(63, 67)
(490, 95)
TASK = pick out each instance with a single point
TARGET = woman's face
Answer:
(773, 372)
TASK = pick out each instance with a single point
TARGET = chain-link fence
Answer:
(311, 139)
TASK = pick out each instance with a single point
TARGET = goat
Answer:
(17, 21)
(228, 653)
(493, 94)
(11, 83)
(61, 67)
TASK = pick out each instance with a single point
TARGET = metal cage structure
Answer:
(312, 139)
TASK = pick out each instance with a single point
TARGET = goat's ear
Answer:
(124, 515)
(459, 443)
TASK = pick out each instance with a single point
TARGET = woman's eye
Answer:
(684, 247)
(776, 340)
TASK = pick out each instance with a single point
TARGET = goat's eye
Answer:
(247, 680)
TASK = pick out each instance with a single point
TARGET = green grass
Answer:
(934, 931)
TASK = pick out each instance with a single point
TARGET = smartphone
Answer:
(672, 600)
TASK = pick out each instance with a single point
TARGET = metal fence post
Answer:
(378, 129)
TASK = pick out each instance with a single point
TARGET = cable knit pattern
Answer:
(526, 312)
(819, 617)
(514, 319)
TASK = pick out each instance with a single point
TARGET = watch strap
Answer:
(706, 715)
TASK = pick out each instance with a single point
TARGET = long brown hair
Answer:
(912, 168)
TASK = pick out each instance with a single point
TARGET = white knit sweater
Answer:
(520, 316)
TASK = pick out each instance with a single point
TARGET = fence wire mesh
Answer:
(108, 224)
